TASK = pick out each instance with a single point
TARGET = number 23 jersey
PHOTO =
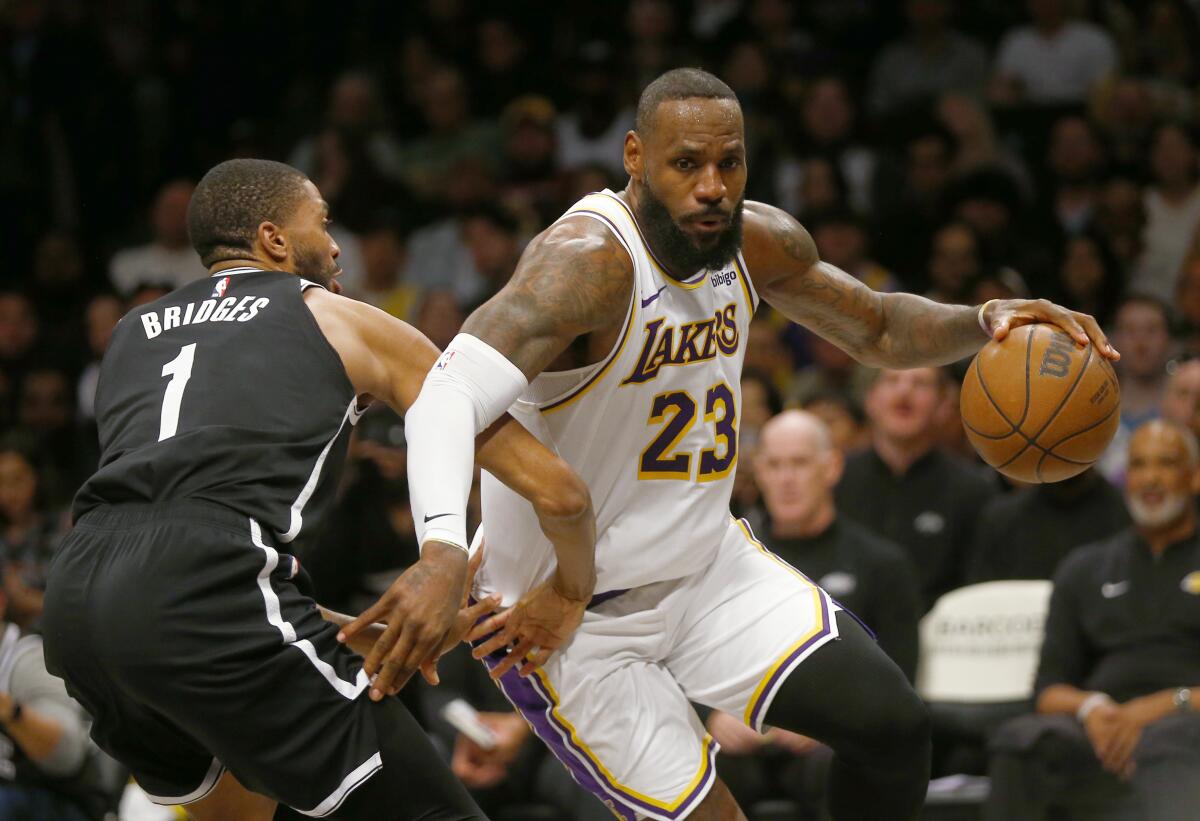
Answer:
(652, 428)
(225, 390)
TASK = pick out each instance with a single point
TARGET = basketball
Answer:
(1039, 408)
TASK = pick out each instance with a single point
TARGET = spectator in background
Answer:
(910, 200)
(1053, 61)
(843, 416)
(18, 333)
(796, 468)
(1120, 222)
(760, 402)
(828, 126)
(438, 256)
(356, 112)
(1142, 333)
(842, 240)
(168, 257)
(990, 201)
(931, 59)
(1187, 304)
(452, 135)
(1118, 685)
(819, 187)
(1075, 160)
(1027, 533)
(977, 146)
(1181, 399)
(29, 537)
(767, 353)
(1168, 41)
(831, 370)
(383, 255)
(44, 745)
(1126, 110)
(530, 179)
(504, 70)
(1172, 211)
(1089, 279)
(490, 234)
(60, 289)
(919, 496)
(439, 316)
(592, 131)
(104, 311)
(955, 264)
(46, 431)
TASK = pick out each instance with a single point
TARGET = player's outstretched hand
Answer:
(419, 609)
(533, 628)
(1002, 315)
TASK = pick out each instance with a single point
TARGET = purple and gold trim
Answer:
(535, 698)
(824, 631)
(747, 287)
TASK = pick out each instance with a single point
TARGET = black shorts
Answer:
(181, 629)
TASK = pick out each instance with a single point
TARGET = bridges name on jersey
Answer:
(684, 344)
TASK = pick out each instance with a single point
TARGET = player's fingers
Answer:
(429, 673)
(489, 626)
(372, 614)
(1000, 329)
(1092, 328)
(392, 672)
(538, 656)
(481, 608)
(501, 639)
(514, 657)
(382, 647)
(1065, 320)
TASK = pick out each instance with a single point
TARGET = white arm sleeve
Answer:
(469, 387)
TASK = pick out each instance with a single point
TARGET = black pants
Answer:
(852, 697)
(1043, 768)
(181, 629)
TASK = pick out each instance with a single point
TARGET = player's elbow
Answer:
(563, 495)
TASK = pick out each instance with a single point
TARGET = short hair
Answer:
(678, 84)
(233, 199)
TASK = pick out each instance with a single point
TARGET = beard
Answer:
(317, 267)
(1160, 515)
(676, 248)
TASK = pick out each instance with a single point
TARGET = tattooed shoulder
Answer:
(573, 278)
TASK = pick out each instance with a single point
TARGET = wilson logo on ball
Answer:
(1056, 361)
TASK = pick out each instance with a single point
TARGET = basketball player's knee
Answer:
(897, 730)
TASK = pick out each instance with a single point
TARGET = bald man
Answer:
(1118, 685)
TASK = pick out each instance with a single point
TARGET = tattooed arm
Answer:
(882, 330)
(574, 278)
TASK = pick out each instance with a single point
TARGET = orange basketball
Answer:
(1039, 408)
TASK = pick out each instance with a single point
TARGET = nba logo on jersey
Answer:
(219, 288)
(444, 360)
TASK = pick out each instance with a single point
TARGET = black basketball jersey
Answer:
(225, 390)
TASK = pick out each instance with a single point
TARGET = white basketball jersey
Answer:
(652, 429)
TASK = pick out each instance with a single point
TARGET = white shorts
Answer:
(613, 705)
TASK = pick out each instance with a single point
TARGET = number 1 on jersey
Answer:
(180, 371)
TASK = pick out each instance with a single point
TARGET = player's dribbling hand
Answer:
(419, 609)
(1002, 315)
(533, 628)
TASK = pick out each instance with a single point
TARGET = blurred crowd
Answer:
(964, 151)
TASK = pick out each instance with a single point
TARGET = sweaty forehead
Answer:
(697, 120)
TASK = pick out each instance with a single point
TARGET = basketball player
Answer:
(175, 610)
(690, 607)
